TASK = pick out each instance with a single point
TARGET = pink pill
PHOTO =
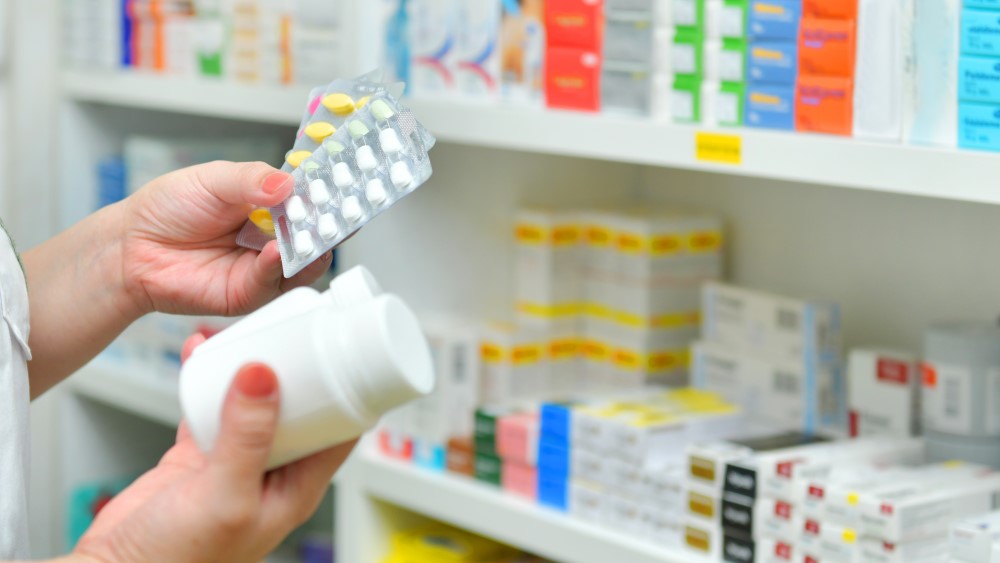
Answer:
(314, 105)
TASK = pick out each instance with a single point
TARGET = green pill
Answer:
(381, 110)
(333, 147)
(310, 166)
(358, 129)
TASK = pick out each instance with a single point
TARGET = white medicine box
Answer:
(883, 393)
(547, 265)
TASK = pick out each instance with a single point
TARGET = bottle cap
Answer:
(353, 287)
(389, 361)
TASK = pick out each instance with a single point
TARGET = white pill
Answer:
(400, 175)
(304, 244)
(375, 191)
(390, 141)
(327, 226)
(318, 192)
(366, 159)
(295, 209)
(342, 175)
(351, 209)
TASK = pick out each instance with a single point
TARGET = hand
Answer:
(222, 506)
(179, 248)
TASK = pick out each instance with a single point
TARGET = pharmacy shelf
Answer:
(826, 160)
(135, 391)
(482, 509)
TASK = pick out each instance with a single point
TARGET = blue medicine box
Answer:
(775, 19)
(556, 420)
(776, 62)
(553, 457)
(980, 33)
(982, 4)
(553, 490)
(770, 106)
(979, 126)
(978, 79)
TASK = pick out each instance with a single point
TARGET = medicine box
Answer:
(430, 454)
(883, 393)
(740, 549)
(703, 538)
(663, 486)
(519, 479)
(770, 326)
(513, 363)
(811, 493)
(733, 19)
(587, 501)
(668, 244)
(703, 505)
(908, 517)
(827, 47)
(789, 395)
(574, 23)
(460, 456)
(732, 60)
(824, 104)
(930, 104)
(477, 68)
(488, 468)
(433, 33)
(979, 126)
(706, 461)
(629, 38)
(972, 539)
(832, 9)
(883, 65)
(573, 78)
(770, 106)
(759, 518)
(623, 514)
(522, 45)
(978, 79)
(980, 34)
(824, 541)
(548, 264)
(774, 62)
(553, 490)
(660, 527)
(687, 53)
(983, 4)
(928, 550)
(517, 438)
(685, 99)
(626, 88)
(729, 110)
(775, 19)
(688, 13)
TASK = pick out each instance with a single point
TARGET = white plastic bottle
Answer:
(343, 358)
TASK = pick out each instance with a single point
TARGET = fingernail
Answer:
(257, 381)
(275, 182)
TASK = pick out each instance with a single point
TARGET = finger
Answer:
(264, 276)
(193, 341)
(249, 422)
(240, 183)
(183, 433)
(309, 275)
(294, 492)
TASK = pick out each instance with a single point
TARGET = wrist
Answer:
(129, 295)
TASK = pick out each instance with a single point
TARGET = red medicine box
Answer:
(573, 79)
(824, 104)
(575, 23)
(833, 9)
(826, 47)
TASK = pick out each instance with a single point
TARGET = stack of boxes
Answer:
(778, 357)
(635, 71)
(92, 35)
(979, 76)
(505, 442)
(772, 65)
(725, 51)
(824, 100)
(687, 60)
(621, 290)
(883, 394)
(162, 35)
(259, 50)
(743, 497)
(522, 48)
(975, 540)
(574, 31)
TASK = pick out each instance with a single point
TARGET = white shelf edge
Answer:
(481, 509)
(128, 390)
(826, 160)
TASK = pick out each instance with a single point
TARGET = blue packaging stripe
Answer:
(978, 79)
(553, 491)
(775, 62)
(980, 33)
(553, 457)
(556, 422)
(774, 19)
(770, 106)
(979, 126)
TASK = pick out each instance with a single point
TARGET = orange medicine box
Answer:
(833, 9)
(572, 79)
(827, 47)
(824, 104)
(574, 23)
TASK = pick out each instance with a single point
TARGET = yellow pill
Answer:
(262, 218)
(339, 104)
(296, 158)
(363, 102)
(320, 131)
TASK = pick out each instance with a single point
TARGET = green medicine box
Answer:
(689, 14)
(733, 19)
(730, 104)
(688, 53)
(685, 102)
(488, 468)
(485, 430)
(733, 60)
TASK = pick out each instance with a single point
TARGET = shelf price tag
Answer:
(718, 148)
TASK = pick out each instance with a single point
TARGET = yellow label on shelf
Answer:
(665, 244)
(595, 351)
(550, 311)
(565, 235)
(704, 241)
(563, 349)
(626, 359)
(630, 243)
(724, 149)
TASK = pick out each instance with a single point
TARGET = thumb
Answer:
(241, 183)
(249, 422)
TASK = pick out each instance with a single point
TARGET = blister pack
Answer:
(357, 153)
